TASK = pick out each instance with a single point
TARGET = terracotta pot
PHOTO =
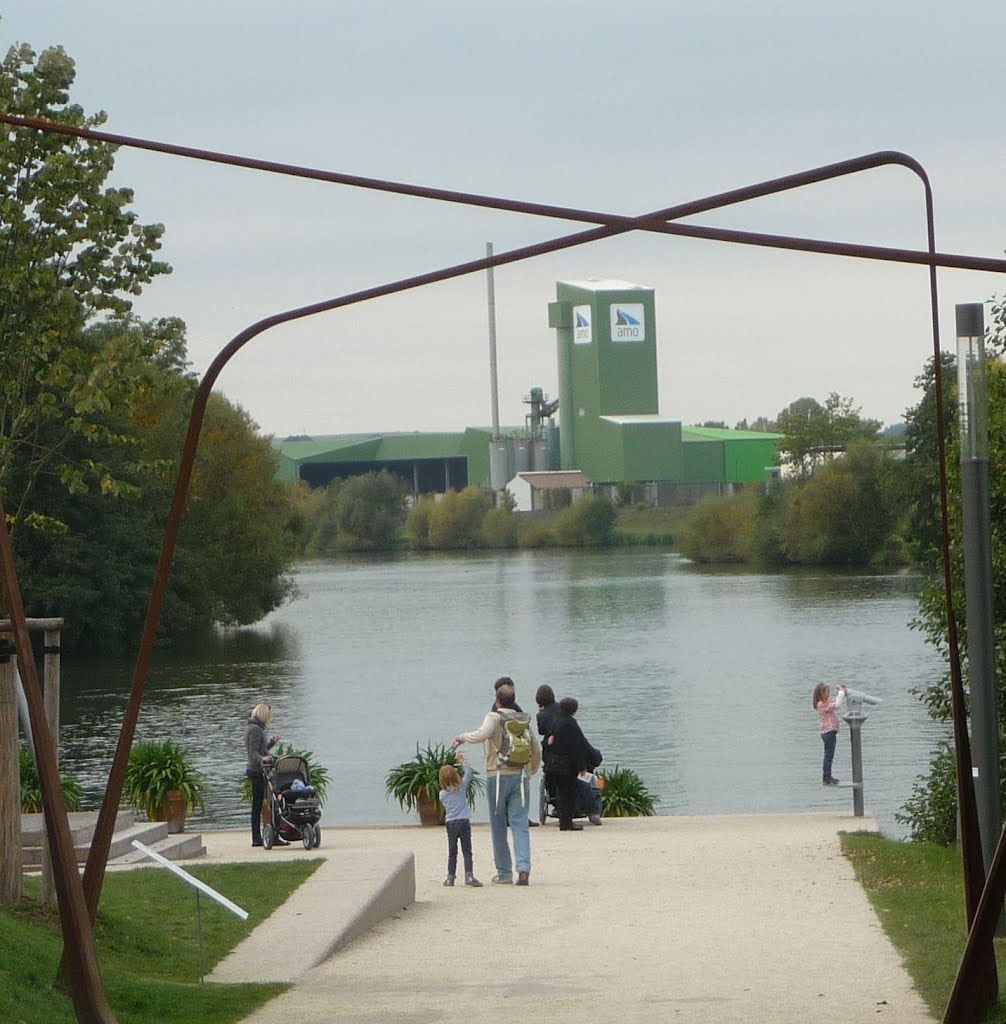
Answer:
(431, 812)
(173, 811)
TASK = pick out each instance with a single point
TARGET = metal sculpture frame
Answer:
(976, 986)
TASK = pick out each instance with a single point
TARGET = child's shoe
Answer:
(449, 880)
(471, 880)
(832, 781)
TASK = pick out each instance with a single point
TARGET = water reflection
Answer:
(698, 679)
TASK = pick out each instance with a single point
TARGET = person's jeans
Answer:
(511, 808)
(459, 830)
(830, 740)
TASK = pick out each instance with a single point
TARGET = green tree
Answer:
(370, 511)
(760, 423)
(844, 513)
(71, 252)
(812, 432)
(234, 548)
(920, 476)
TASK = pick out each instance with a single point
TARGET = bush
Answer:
(499, 528)
(931, 812)
(589, 522)
(538, 537)
(417, 524)
(625, 795)
(718, 529)
(456, 520)
(31, 786)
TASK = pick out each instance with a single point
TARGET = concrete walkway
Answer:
(728, 919)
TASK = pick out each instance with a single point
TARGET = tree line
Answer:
(94, 402)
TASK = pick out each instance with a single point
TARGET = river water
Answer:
(699, 680)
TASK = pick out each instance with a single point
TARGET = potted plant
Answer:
(625, 794)
(31, 786)
(415, 783)
(161, 783)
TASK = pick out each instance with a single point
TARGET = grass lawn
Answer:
(148, 945)
(917, 890)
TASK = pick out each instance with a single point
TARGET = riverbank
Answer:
(719, 919)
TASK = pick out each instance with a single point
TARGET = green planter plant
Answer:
(625, 795)
(161, 783)
(31, 786)
(415, 783)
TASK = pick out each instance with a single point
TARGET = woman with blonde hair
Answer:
(257, 747)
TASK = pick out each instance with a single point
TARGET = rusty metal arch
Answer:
(976, 986)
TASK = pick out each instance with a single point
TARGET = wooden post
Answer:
(11, 862)
(50, 697)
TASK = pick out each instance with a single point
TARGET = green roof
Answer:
(725, 434)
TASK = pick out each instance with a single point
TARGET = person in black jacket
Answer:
(568, 755)
(548, 711)
(584, 794)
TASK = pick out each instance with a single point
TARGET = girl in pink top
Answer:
(827, 710)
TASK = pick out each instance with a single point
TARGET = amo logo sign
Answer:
(628, 322)
(581, 325)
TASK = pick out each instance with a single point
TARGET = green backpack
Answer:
(515, 744)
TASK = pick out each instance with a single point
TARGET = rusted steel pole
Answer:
(82, 974)
(654, 222)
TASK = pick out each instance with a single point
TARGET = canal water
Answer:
(699, 680)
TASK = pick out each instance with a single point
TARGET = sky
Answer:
(622, 108)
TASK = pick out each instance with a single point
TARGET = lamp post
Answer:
(974, 437)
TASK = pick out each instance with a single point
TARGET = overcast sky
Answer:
(625, 107)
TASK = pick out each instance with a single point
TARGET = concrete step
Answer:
(148, 832)
(82, 825)
(176, 846)
(154, 834)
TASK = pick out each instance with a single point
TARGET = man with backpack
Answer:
(513, 752)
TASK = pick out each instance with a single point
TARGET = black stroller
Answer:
(292, 809)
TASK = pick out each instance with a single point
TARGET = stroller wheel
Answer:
(317, 836)
(268, 836)
(307, 835)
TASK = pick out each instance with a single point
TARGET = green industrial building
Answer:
(609, 422)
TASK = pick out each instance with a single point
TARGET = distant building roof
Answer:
(725, 434)
(607, 285)
(543, 481)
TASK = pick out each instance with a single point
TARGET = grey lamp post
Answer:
(973, 406)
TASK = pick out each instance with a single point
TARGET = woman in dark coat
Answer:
(257, 747)
(568, 755)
